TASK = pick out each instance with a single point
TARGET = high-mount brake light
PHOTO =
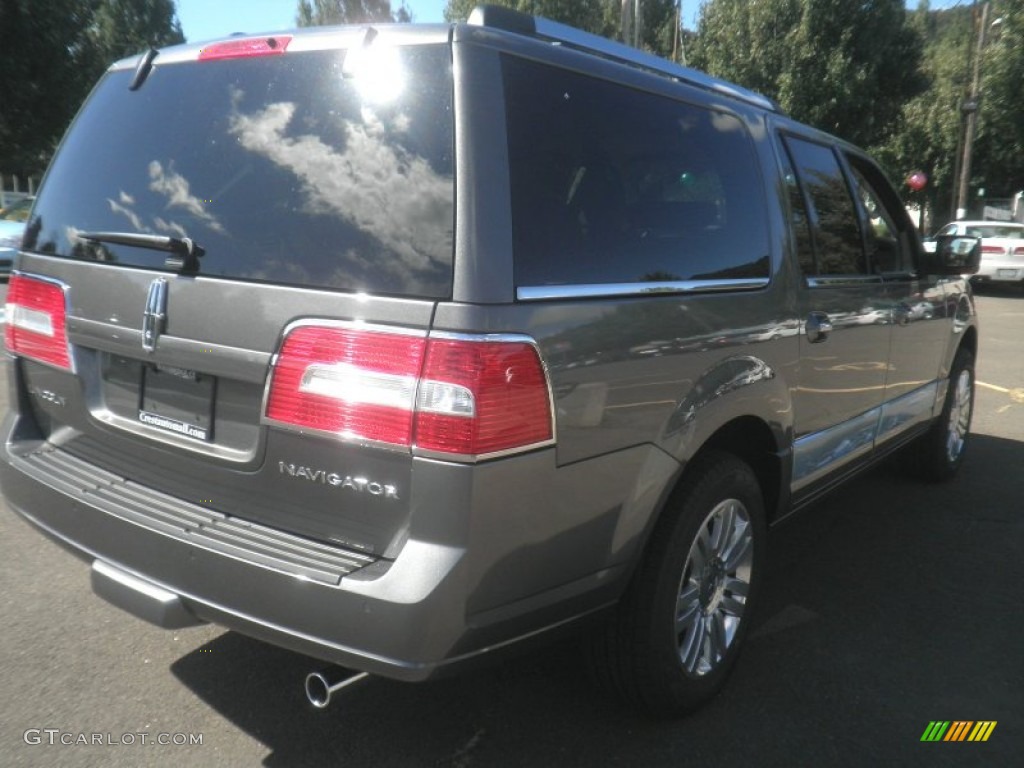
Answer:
(245, 48)
(463, 397)
(37, 321)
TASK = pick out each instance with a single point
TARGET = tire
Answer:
(939, 453)
(678, 630)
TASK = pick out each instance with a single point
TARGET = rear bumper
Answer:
(999, 272)
(175, 563)
(344, 623)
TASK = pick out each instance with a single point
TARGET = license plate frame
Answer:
(177, 400)
(1007, 274)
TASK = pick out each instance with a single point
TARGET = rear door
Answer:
(844, 344)
(920, 315)
(319, 194)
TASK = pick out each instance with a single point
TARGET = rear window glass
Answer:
(614, 185)
(281, 168)
(994, 230)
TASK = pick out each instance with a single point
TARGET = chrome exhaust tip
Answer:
(322, 685)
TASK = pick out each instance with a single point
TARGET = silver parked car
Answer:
(407, 346)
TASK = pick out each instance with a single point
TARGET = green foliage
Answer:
(53, 52)
(602, 17)
(845, 67)
(122, 28)
(313, 13)
(927, 131)
(930, 127)
(999, 151)
(585, 14)
(867, 70)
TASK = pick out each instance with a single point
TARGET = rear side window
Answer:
(281, 168)
(614, 185)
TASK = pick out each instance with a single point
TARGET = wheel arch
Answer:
(748, 438)
(752, 440)
(969, 341)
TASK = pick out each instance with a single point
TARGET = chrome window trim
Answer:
(602, 290)
(837, 281)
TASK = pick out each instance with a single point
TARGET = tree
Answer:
(53, 53)
(999, 150)
(928, 130)
(313, 13)
(584, 14)
(121, 28)
(41, 82)
(845, 67)
(601, 17)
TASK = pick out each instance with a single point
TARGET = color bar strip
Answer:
(982, 730)
(935, 730)
(959, 730)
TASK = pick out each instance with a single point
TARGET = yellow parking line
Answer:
(1016, 394)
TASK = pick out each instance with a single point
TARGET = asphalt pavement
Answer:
(887, 606)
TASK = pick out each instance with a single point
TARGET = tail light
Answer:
(446, 395)
(994, 250)
(1018, 250)
(36, 325)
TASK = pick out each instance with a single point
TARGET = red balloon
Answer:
(917, 180)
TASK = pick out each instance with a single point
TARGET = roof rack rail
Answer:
(499, 17)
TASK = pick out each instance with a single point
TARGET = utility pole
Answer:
(677, 34)
(970, 109)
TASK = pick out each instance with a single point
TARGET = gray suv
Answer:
(404, 346)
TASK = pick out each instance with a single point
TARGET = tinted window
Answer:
(886, 225)
(613, 185)
(799, 220)
(280, 167)
(838, 246)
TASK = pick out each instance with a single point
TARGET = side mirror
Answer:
(953, 255)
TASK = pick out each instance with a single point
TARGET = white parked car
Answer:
(1002, 248)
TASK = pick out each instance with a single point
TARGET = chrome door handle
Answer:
(817, 327)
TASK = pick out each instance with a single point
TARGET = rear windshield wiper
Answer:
(186, 252)
(145, 66)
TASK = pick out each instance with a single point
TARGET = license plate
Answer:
(1008, 274)
(178, 400)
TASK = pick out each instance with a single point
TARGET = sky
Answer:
(207, 19)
